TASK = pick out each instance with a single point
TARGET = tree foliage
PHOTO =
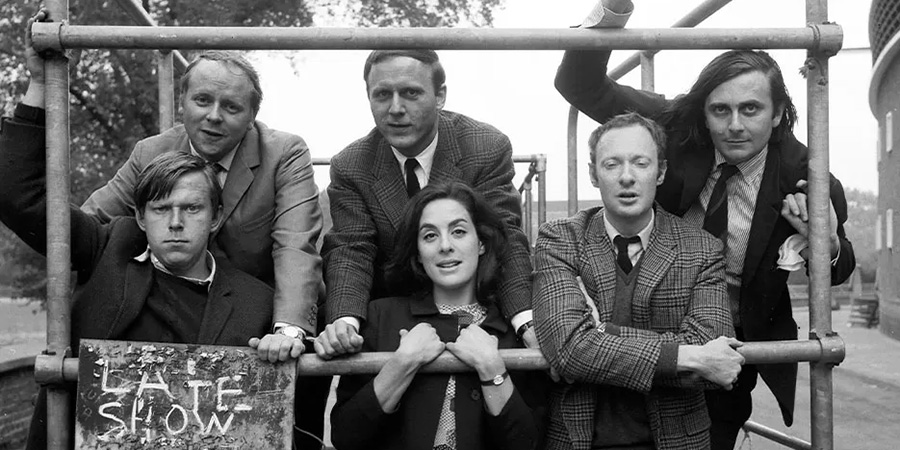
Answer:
(113, 100)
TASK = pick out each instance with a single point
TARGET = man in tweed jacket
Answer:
(414, 143)
(638, 328)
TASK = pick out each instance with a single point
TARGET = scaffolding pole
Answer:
(165, 74)
(774, 352)
(820, 38)
(648, 72)
(819, 201)
(56, 36)
(56, 95)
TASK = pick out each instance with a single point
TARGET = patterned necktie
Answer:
(219, 170)
(622, 248)
(412, 181)
(716, 220)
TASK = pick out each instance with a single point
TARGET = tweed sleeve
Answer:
(350, 247)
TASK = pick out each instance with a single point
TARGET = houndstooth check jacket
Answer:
(680, 297)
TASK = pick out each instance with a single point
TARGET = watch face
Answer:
(292, 332)
(498, 380)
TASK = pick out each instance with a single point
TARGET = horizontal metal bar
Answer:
(539, 158)
(777, 436)
(825, 350)
(371, 363)
(58, 36)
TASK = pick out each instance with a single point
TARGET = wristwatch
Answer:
(496, 381)
(292, 331)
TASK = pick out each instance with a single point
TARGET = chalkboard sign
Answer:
(134, 395)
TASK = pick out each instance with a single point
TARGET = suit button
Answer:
(476, 394)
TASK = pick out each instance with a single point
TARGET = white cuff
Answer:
(789, 258)
(352, 321)
(521, 319)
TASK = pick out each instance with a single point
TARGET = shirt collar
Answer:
(425, 157)
(750, 169)
(644, 234)
(210, 261)
(226, 160)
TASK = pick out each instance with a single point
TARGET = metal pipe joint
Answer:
(828, 38)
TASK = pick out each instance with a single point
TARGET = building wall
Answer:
(17, 393)
(888, 285)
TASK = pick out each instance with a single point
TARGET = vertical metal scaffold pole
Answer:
(165, 75)
(821, 388)
(56, 96)
(572, 160)
(648, 72)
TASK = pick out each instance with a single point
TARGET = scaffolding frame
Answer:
(822, 40)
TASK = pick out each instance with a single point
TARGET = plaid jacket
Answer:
(367, 196)
(680, 297)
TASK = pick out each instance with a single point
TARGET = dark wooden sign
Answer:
(134, 395)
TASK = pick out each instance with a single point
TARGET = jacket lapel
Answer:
(240, 175)
(696, 166)
(137, 283)
(389, 188)
(766, 214)
(598, 257)
(447, 156)
(655, 263)
(219, 305)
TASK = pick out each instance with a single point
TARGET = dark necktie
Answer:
(218, 169)
(716, 220)
(412, 181)
(622, 248)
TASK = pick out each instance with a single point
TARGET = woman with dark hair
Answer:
(447, 261)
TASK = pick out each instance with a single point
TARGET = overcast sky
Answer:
(321, 97)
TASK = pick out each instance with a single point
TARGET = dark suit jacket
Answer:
(765, 308)
(112, 286)
(680, 298)
(272, 216)
(359, 423)
(367, 195)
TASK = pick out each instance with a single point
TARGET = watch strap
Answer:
(496, 381)
(524, 328)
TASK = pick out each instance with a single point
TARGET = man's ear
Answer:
(662, 172)
(592, 169)
(779, 113)
(441, 96)
(218, 220)
(139, 217)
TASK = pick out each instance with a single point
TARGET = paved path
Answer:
(866, 392)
